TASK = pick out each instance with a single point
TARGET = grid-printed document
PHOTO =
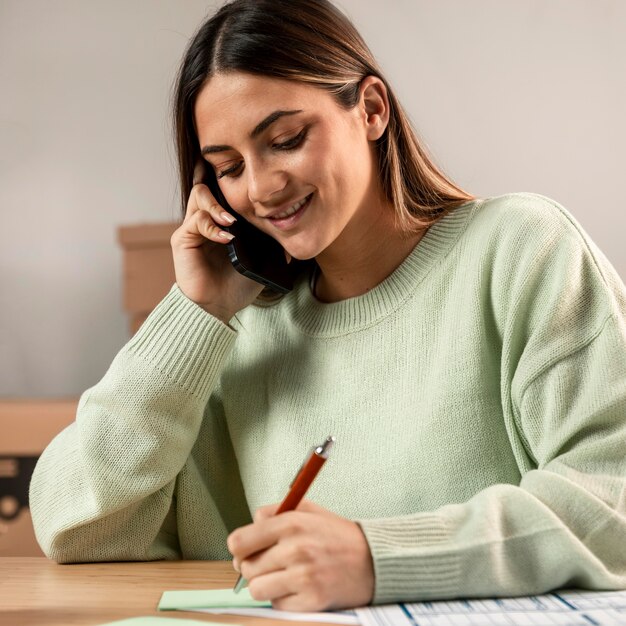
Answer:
(565, 608)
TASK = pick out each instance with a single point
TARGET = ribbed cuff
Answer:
(413, 559)
(184, 342)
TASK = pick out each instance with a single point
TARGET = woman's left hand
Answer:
(304, 560)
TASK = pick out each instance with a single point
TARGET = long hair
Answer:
(309, 41)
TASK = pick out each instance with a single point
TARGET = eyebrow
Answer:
(258, 129)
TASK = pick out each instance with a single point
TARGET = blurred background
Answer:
(508, 96)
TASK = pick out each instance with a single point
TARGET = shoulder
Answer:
(535, 251)
(533, 230)
(538, 216)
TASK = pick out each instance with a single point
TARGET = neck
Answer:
(357, 262)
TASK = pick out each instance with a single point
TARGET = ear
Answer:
(374, 104)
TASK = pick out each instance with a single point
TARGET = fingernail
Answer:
(225, 235)
(228, 217)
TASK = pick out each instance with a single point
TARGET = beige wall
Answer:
(510, 96)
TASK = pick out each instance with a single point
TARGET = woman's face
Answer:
(289, 159)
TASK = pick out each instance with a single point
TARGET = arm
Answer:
(103, 489)
(561, 311)
(564, 525)
(561, 345)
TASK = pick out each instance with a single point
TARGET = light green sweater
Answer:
(477, 395)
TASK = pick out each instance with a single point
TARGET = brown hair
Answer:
(308, 41)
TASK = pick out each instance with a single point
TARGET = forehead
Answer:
(237, 102)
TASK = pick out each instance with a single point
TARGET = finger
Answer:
(201, 199)
(205, 226)
(266, 531)
(291, 589)
(258, 561)
(274, 558)
(206, 201)
(252, 538)
(272, 586)
(308, 506)
(299, 555)
(195, 230)
(192, 202)
(199, 172)
(263, 512)
(299, 602)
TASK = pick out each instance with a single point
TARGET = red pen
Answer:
(300, 485)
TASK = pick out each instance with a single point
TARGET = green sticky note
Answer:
(160, 621)
(209, 599)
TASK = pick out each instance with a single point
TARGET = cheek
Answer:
(304, 166)
(338, 158)
(235, 195)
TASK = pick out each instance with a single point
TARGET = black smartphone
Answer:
(252, 252)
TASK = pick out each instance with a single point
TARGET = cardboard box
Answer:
(26, 428)
(148, 267)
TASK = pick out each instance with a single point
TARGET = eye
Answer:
(293, 142)
(231, 171)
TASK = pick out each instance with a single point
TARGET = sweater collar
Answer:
(354, 314)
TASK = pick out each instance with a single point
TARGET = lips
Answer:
(290, 216)
(292, 209)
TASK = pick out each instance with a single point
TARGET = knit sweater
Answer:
(477, 396)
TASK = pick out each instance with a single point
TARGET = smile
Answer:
(290, 217)
(292, 209)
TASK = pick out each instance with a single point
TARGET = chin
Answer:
(302, 257)
(303, 251)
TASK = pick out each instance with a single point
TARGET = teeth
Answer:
(292, 209)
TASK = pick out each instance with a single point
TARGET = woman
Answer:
(468, 355)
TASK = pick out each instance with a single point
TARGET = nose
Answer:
(264, 182)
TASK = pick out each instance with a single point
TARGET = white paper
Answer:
(330, 617)
(566, 608)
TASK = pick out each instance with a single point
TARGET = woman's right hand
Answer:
(203, 271)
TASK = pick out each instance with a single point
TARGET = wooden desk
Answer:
(37, 592)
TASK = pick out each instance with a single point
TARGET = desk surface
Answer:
(37, 592)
